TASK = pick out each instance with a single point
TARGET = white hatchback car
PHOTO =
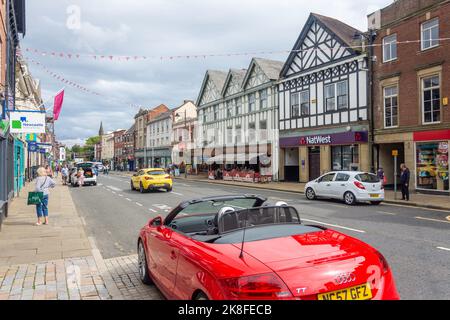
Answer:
(350, 186)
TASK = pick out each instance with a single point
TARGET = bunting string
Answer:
(111, 57)
(76, 85)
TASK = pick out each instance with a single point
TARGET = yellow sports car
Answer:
(151, 179)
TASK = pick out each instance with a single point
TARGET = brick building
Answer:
(119, 158)
(128, 148)
(411, 85)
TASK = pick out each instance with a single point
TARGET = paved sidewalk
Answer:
(440, 202)
(124, 271)
(55, 261)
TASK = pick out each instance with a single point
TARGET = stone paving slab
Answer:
(22, 242)
(124, 272)
(63, 279)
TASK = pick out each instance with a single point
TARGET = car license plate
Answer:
(374, 195)
(159, 185)
(361, 292)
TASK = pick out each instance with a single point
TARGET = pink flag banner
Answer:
(57, 106)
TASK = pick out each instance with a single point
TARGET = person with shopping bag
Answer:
(43, 184)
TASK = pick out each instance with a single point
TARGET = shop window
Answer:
(431, 99)
(430, 34)
(432, 166)
(390, 48)
(390, 106)
(238, 134)
(295, 112)
(345, 158)
(263, 130)
(251, 132)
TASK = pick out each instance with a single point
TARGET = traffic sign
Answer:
(395, 153)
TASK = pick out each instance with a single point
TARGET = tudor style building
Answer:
(237, 116)
(324, 116)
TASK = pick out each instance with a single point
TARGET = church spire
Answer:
(100, 132)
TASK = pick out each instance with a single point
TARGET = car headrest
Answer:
(281, 204)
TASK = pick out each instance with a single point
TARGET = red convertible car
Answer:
(241, 247)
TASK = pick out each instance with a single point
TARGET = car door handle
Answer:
(343, 185)
(173, 255)
(328, 185)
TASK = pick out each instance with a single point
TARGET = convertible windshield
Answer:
(214, 206)
(156, 173)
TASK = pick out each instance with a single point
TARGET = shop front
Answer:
(250, 163)
(431, 160)
(307, 157)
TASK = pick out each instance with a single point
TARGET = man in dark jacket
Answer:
(404, 180)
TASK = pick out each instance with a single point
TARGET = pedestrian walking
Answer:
(65, 174)
(404, 180)
(49, 171)
(57, 170)
(43, 184)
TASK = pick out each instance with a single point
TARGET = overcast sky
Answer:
(157, 28)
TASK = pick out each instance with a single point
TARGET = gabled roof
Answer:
(238, 74)
(215, 76)
(271, 68)
(343, 32)
(341, 29)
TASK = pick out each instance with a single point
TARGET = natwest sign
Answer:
(341, 138)
(315, 140)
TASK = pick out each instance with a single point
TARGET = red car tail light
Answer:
(383, 261)
(148, 178)
(263, 286)
(359, 185)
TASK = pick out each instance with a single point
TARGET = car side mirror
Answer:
(156, 222)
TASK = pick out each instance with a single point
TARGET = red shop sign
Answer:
(432, 135)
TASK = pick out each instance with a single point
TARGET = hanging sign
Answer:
(27, 122)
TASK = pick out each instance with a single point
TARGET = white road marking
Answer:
(109, 232)
(442, 248)
(154, 211)
(448, 218)
(334, 225)
(114, 188)
(128, 199)
(389, 213)
(99, 184)
(178, 194)
(113, 192)
(83, 221)
(120, 195)
(162, 206)
(139, 204)
(435, 220)
(418, 207)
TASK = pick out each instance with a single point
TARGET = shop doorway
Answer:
(291, 165)
(385, 160)
(314, 162)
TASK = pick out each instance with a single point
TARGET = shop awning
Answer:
(239, 158)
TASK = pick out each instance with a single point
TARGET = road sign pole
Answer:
(395, 177)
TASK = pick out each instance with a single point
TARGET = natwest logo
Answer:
(314, 140)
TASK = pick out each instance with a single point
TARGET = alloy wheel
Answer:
(310, 194)
(349, 198)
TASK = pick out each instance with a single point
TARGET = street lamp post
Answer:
(185, 125)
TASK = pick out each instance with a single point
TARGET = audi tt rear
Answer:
(242, 248)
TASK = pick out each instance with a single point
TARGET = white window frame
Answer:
(263, 97)
(302, 103)
(252, 100)
(388, 41)
(297, 105)
(384, 105)
(422, 30)
(422, 98)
